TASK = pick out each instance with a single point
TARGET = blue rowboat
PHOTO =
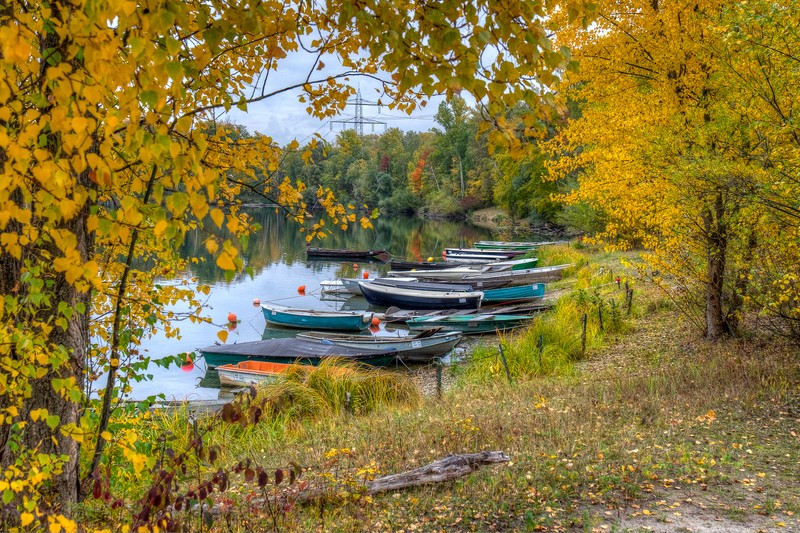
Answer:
(513, 294)
(388, 296)
(314, 319)
(291, 351)
(473, 324)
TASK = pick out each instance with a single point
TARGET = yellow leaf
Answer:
(25, 519)
(217, 216)
(68, 525)
(212, 246)
(160, 228)
(105, 435)
(225, 261)
(222, 335)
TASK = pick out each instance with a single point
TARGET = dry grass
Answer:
(654, 418)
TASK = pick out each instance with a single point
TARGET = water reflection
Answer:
(280, 241)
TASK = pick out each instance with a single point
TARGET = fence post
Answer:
(600, 314)
(583, 333)
(540, 345)
(505, 363)
(439, 378)
(630, 300)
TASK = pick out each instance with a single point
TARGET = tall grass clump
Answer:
(549, 345)
(335, 387)
(561, 254)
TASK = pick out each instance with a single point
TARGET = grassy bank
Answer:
(649, 426)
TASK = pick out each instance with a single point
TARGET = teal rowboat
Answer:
(313, 319)
(513, 294)
(469, 324)
(514, 245)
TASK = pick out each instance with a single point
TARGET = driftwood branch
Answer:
(451, 467)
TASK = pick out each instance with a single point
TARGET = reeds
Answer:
(335, 387)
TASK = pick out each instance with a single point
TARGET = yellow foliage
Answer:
(110, 157)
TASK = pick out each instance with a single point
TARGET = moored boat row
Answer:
(438, 301)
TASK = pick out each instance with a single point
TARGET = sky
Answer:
(284, 118)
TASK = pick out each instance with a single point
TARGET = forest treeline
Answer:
(447, 171)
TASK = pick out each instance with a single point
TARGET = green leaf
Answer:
(213, 37)
(149, 98)
(52, 421)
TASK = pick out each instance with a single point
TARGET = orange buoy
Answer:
(232, 317)
(256, 301)
(365, 275)
(188, 365)
(444, 254)
(375, 321)
(301, 289)
(355, 265)
(374, 329)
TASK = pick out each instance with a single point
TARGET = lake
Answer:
(278, 259)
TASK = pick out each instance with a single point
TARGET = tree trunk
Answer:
(65, 347)
(716, 255)
(741, 284)
(461, 175)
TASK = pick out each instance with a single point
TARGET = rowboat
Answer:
(514, 245)
(475, 255)
(520, 277)
(290, 350)
(414, 283)
(395, 314)
(351, 285)
(314, 319)
(469, 324)
(387, 296)
(513, 294)
(251, 373)
(420, 265)
(459, 272)
(422, 347)
(353, 255)
(333, 286)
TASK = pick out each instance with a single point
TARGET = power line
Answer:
(358, 120)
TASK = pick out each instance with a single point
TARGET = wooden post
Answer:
(540, 345)
(505, 363)
(584, 319)
(439, 378)
(600, 314)
(630, 300)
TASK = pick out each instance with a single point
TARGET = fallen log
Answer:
(451, 467)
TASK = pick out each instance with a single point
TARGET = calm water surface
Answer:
(278, 259)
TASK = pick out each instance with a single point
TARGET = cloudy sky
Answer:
(284, 118)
